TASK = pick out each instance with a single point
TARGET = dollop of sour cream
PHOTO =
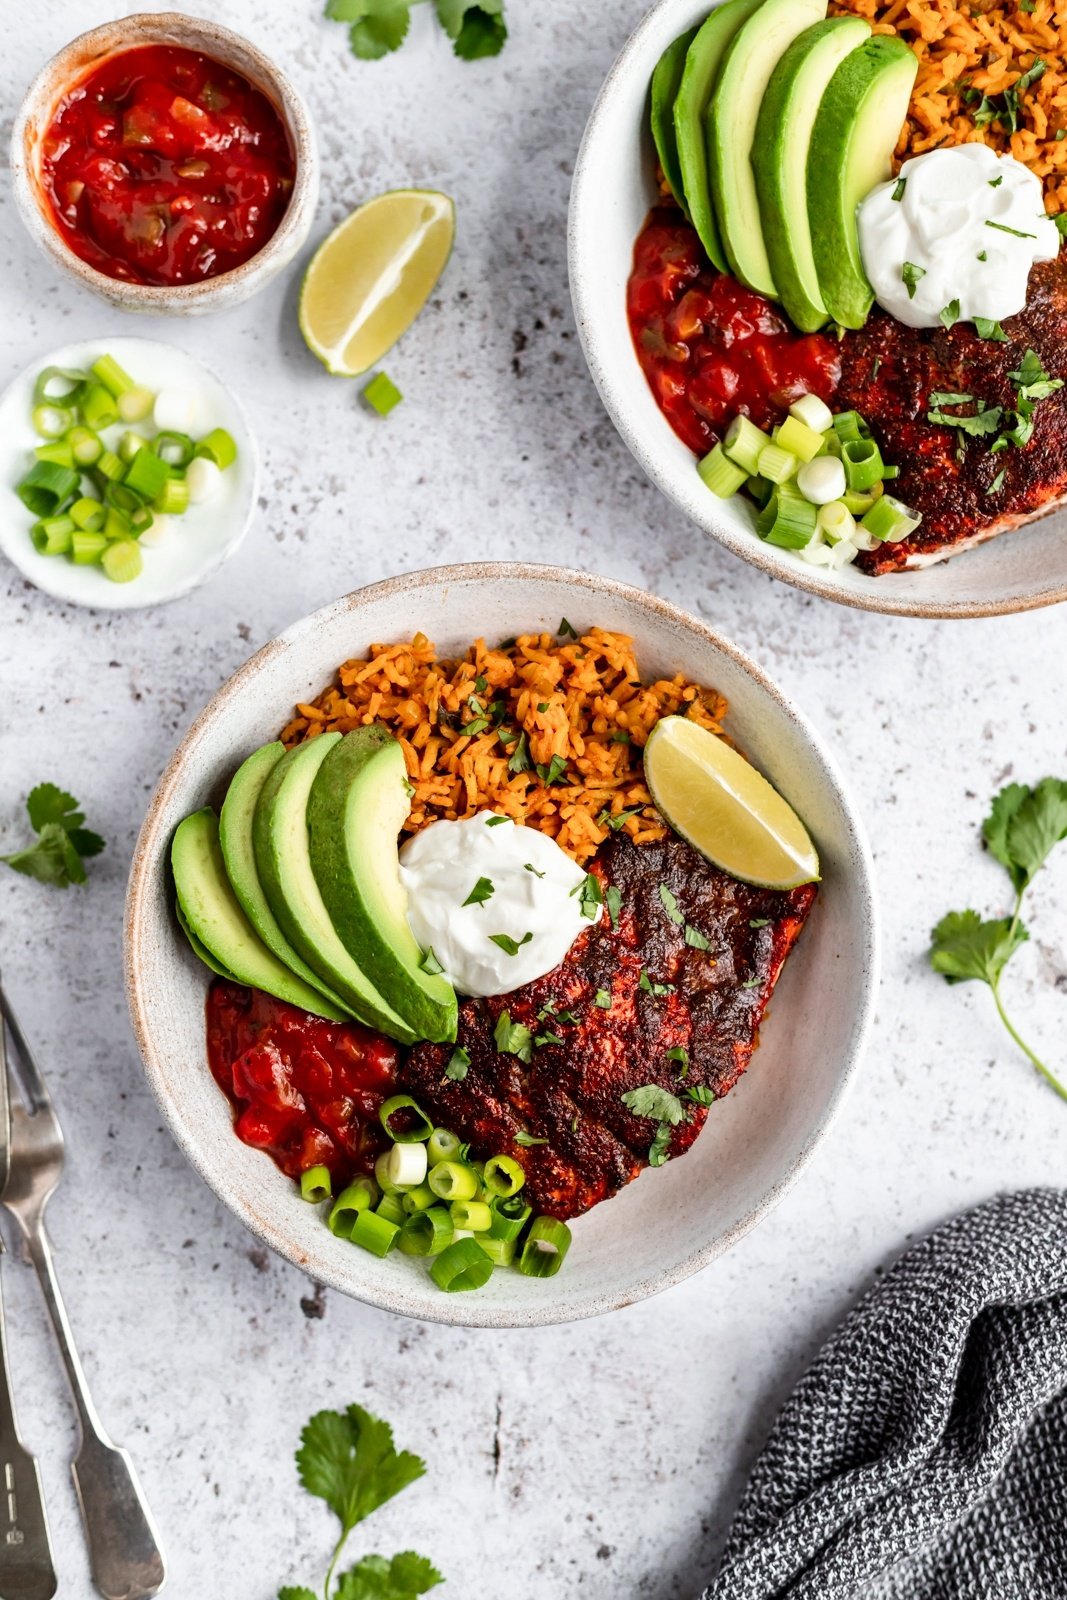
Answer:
(962, 224)
(472, 883)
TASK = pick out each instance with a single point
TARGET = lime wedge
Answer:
(369, 280)
(726, 809)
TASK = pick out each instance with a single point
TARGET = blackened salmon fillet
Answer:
(965, 492)
(667, 989)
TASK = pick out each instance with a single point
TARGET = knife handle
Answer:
(27, 1571)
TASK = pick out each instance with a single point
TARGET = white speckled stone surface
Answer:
(603, 1459)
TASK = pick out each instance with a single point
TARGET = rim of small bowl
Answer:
(79, 56)
(584, 287)
(465, 1311)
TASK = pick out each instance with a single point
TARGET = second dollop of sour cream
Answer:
(963, 225)
(526, 891)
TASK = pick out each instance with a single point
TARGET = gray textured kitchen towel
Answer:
(924, 1454)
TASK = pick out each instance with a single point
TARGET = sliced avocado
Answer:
(235, 837)
(201, 951)
(283, 863)
(702, 62)
(357, 806)
(665, 81)
(754, 52)
(780, 160)
(211, 911)
(856, 129)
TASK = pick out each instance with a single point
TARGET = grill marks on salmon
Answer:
(569, 1094)
(889, 372)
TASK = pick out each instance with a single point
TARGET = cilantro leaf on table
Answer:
(348, 1459)
(375, 1578)
(1022, 828)
(62, 842)
(476, 27)
(296, 1592)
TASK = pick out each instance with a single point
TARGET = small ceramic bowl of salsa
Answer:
(166, 164)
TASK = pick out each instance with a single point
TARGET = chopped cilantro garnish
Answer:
(951, 314)
(620, 736)
(613, 901)
(565, 630)
(554, 771)
(1002, 227)
(494, 821)
(898, 189)
(645, 982)
(602, 999)
(670, 905)
(695, 939)
(431, 964)
(458, 1062)
(513, 1038)
(615, 820)
(1003, 108)
(998, 482)
(700, 1095)
(377, 27)
(662, 1107)
(481, 684)
(483, 890)
(986, 328)
(519, 759)
(528, 1139)
(759, 922)
(479, 725)
(541, 1039)
(911, 275)
(510, 946)
(995, 183)
(528, 866)
(679, 1054)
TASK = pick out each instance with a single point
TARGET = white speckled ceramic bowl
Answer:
(611, 195)
(669, 1222)
(56, 79)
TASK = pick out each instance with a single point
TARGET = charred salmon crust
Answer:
(889, 372)
(586, 1056)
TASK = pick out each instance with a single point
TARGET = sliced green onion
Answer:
(796, 437)
(88, 514)
(116, 525)
(503, 1176)
(147, 475)
(130, 443)
(87, 548)
(110, 466)
(59, 454)
(86, 446)
(777, 465)
(141, 520)
(453, 1180)
(174, 498)
(52, 422)
(218, 446)
(812, 412)
(443, 1145)
(108, 372)
(859, 503)
(46, 486)
(52, 535)
(421, 1198)
(316, 1184)
(545, 1246)
(472, 1215)
(374, 1232)
(501, 1252)
(743, 442)
(176, 449)
(381, 1174)
(122, 497)
(427, 1233)
(510, 1216)
(406, 1165)
(863, 463)
(97, 407)
(836, 521)
(760, 489)
(888, 520)
(463, 1265)
(719, 474)
(404, 1120)
(361, 1195)
(390, 1207)
(382, 394)
(123, 561)
(787, 519)
(135, 404)
(889, 473)
(849, 425)
(69, 380)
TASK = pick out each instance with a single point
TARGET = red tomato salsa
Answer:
(165, 167)
(305, 1090)
(708, 346)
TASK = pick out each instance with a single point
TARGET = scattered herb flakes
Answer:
(483, 890)
(613, 901)
(898, 189)
(541, 1039)
(1031, 380)
(458, 1063)
(565, 630)
(662, 1107)
(592, 896)
(759, 922)
(528, 866)
(494, 821)
(995, 183)
(62, 842)
(911, 275)
(614, 821)
(986, 328)
(519, 759)
(555, 771)
(753, 983)
(430, 963)
(602, 999)
(659, 1149)
(700, 1095)
(695, 939)
(510, 946)
(513, 1038)
(528, 1139)
(1002, 227)
(679, 1054)
(481, 683)
(983, 255)
(998, 482)
(1003, 108)
(670, 905)
(645, 982)
(620, 736)
(985, 419)
(951, 314)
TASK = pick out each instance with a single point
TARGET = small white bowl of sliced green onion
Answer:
(127, 473)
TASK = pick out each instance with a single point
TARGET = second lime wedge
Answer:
(725, 808)
(370, 279)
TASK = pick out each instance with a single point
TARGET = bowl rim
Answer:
(270, 79)
(584, 288)
(463, 1311)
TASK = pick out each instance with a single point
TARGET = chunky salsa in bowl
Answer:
(591, 946)
(166, 163)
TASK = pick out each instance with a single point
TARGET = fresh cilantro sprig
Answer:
(348, 1459)
(1022, 828)
(663, 1108)
(62, 842)
(378, 27)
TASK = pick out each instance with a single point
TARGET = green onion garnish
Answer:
(427, 1233)
(719, 474)
(362, 1194)
(374, 1232)
(472, 1216)
(787, 520)
(863, 463)
(889, 520)
(453, 1180)
(510, 1216)
(442, 1145)
(404, 1120)
(382, 394)
(316, 1184)
(463, 1265)
(503, 1176)
(544, 1248)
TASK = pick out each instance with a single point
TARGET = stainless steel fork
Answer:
(124, 1550)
